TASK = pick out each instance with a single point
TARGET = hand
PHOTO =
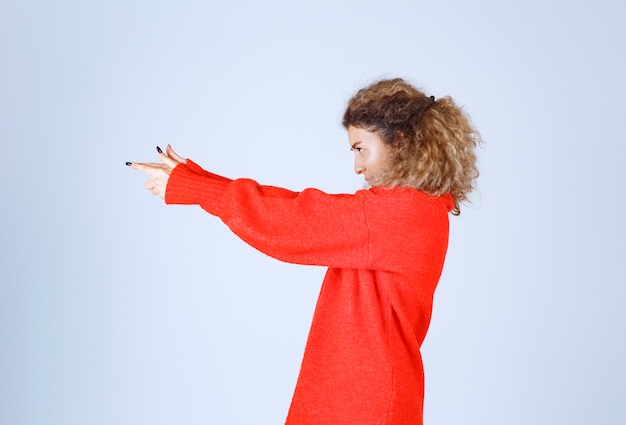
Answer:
(159, 174)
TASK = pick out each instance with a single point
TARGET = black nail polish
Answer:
(159, 150)
(129, 163)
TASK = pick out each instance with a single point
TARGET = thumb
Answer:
(170, 152)
(166, 159)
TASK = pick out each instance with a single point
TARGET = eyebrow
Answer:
(355, 145)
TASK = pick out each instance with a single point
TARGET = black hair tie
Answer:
(420, 113)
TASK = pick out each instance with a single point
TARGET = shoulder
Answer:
(408, 198)
(407, 228)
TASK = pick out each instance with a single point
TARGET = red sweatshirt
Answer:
(384, 249)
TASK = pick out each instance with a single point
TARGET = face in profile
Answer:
(370, 153)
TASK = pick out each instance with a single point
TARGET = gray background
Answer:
(115, 309)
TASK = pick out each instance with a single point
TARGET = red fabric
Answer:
(385, 250)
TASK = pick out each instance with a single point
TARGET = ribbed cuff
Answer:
(185, 187)
(201, 171)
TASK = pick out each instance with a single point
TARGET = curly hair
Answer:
(432, 141)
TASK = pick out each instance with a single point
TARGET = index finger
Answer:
(146, 167)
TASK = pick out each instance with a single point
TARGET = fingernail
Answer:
(129, 163)
(159, 150)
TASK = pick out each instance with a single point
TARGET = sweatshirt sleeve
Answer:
(308, 227)
(196, 169)
(376, 229)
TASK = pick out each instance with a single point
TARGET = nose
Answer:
(358, 168)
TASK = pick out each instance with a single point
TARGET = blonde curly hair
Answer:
(432, 141)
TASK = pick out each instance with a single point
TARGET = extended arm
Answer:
(308, 227)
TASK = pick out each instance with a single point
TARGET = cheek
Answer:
(378, 158)
(383, 160)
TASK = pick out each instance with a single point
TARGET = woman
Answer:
(384, 247)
